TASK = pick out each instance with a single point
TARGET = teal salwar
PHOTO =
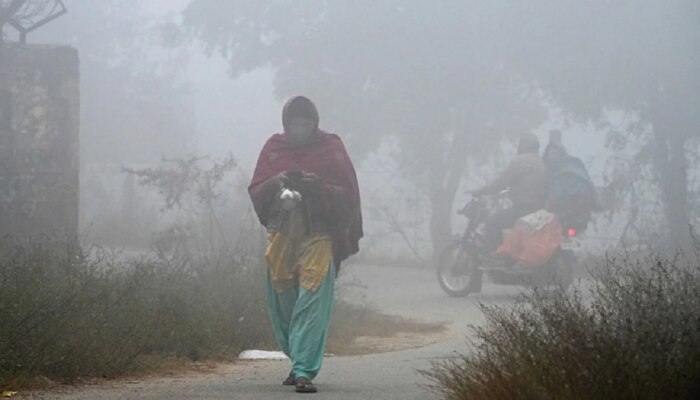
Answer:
(300, 319)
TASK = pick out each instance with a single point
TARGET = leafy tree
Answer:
(418, 71)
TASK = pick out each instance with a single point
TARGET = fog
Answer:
(171, 192)
(430, 100)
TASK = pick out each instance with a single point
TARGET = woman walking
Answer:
(305, 192)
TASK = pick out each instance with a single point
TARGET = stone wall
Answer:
(39, 152)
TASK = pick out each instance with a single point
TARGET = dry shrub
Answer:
(69, 312)
(631, 333)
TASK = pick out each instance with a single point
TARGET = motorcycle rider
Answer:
(525, 178)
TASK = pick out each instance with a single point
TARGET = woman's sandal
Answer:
(304, 385)
(290, 381)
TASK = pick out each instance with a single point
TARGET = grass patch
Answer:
(632, 334)
(68, 312)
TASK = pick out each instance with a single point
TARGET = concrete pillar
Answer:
(39, 141)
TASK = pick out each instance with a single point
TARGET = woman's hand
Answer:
(278, 181)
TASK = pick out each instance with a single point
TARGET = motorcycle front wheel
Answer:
(458, 271)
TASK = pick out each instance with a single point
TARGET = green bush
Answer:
(633, 333)
(67, 311)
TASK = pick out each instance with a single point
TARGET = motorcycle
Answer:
(462, 264)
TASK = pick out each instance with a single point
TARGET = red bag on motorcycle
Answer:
(534, 239)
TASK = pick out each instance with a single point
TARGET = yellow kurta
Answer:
(294, 257)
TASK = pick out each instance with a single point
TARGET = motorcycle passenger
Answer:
(571, 191)
(525, 178)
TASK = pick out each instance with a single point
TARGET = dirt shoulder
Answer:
(359, 331)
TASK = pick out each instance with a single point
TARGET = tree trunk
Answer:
(676, 182)
(441, 219)
(671, 164)
(445, 178)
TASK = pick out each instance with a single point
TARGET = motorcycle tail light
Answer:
(571, 232)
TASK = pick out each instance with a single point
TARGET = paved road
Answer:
(410, 293)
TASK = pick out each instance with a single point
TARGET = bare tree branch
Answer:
(28, 15)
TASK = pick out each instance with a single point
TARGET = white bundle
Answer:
(290, 198)
(532, 223)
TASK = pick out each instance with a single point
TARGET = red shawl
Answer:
(326, 157)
